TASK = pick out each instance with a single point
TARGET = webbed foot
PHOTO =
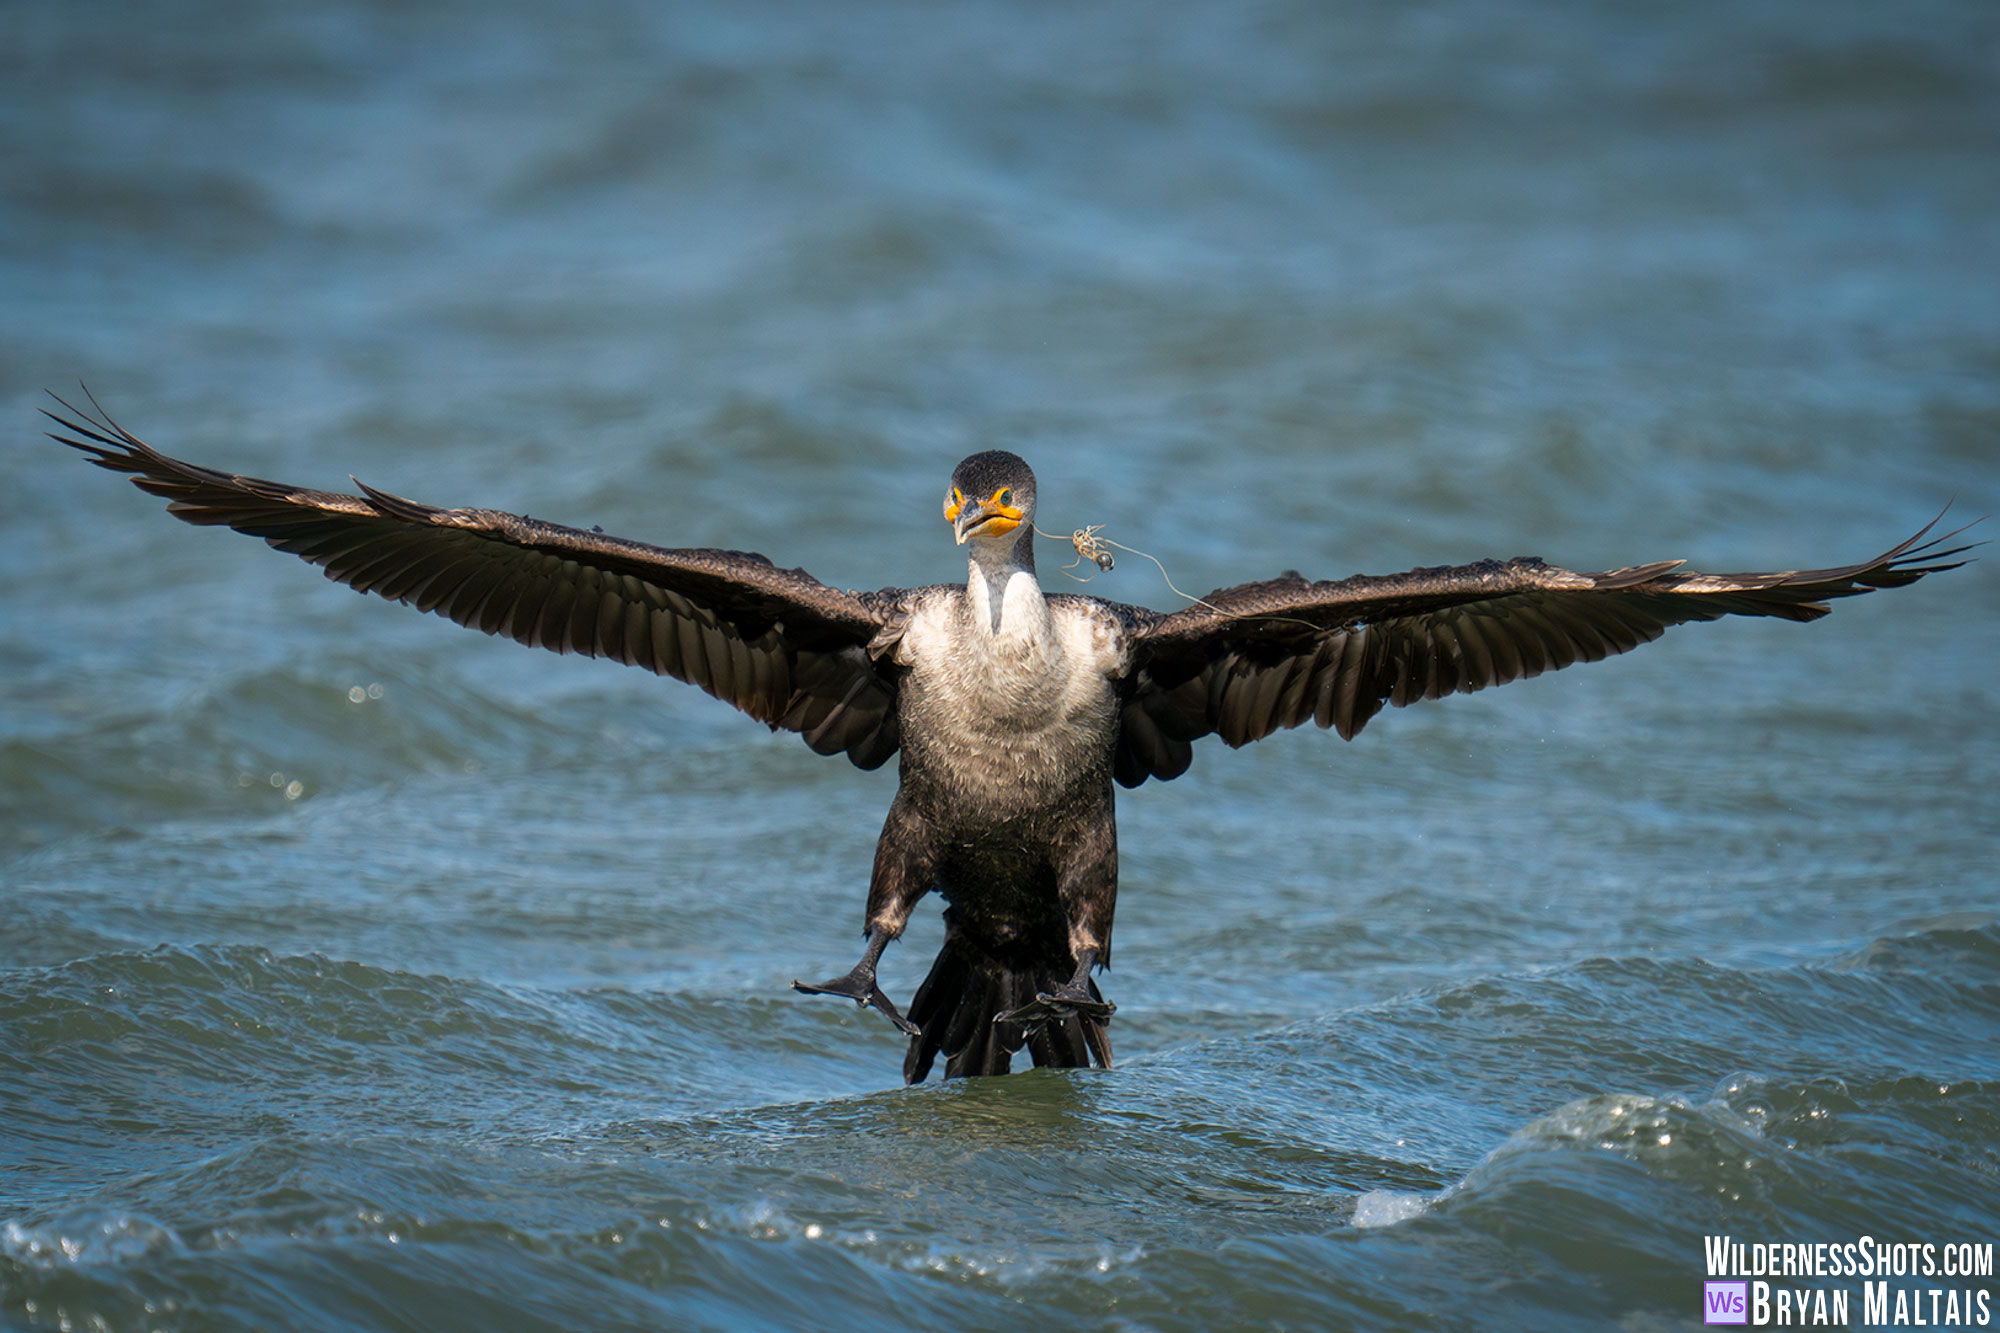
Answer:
(859, 986)
(1072, 997)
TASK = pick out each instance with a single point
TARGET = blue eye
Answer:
(1005, 497)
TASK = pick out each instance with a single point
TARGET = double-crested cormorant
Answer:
(1014, 711)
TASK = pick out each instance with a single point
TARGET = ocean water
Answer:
(358, 972)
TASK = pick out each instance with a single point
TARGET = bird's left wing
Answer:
(777, 643)
(1249, 660)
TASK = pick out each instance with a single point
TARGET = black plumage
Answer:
(1013, 712)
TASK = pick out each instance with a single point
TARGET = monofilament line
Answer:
(1089, 546)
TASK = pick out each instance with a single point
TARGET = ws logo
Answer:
(1725, 1302)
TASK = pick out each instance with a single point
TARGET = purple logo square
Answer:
(1725, 1302)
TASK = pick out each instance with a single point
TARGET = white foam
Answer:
(1385, 1208)
(85, 1241)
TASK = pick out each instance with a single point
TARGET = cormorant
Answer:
(1014, 711)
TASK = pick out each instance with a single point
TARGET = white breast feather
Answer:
(1017, 715)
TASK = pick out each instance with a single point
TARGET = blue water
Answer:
(359, 972)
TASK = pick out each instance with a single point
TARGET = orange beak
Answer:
(986, 518)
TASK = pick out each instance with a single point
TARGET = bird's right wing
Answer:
(776, 643)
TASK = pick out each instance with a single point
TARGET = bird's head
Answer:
(992, 497)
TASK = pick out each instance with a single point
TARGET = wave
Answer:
(248, 743)
(221, 1040)
(1865, 1061)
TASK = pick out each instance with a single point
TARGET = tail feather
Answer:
(970, 984)
(1059, 1045)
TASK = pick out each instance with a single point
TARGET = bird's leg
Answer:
(1072, 997)
(859, 984)
(903, 875)
(1087, 887)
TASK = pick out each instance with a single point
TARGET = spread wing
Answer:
(1248, 660)
(776, 643)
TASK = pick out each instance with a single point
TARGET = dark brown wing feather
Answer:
(1253, 659)
(776, 643)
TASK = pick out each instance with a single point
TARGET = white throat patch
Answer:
(1014, 609)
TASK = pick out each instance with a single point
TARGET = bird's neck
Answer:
(1001, 590)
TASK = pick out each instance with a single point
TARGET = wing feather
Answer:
(1250, 660)
(776, 643)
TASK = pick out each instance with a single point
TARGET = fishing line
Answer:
(1089, 546)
